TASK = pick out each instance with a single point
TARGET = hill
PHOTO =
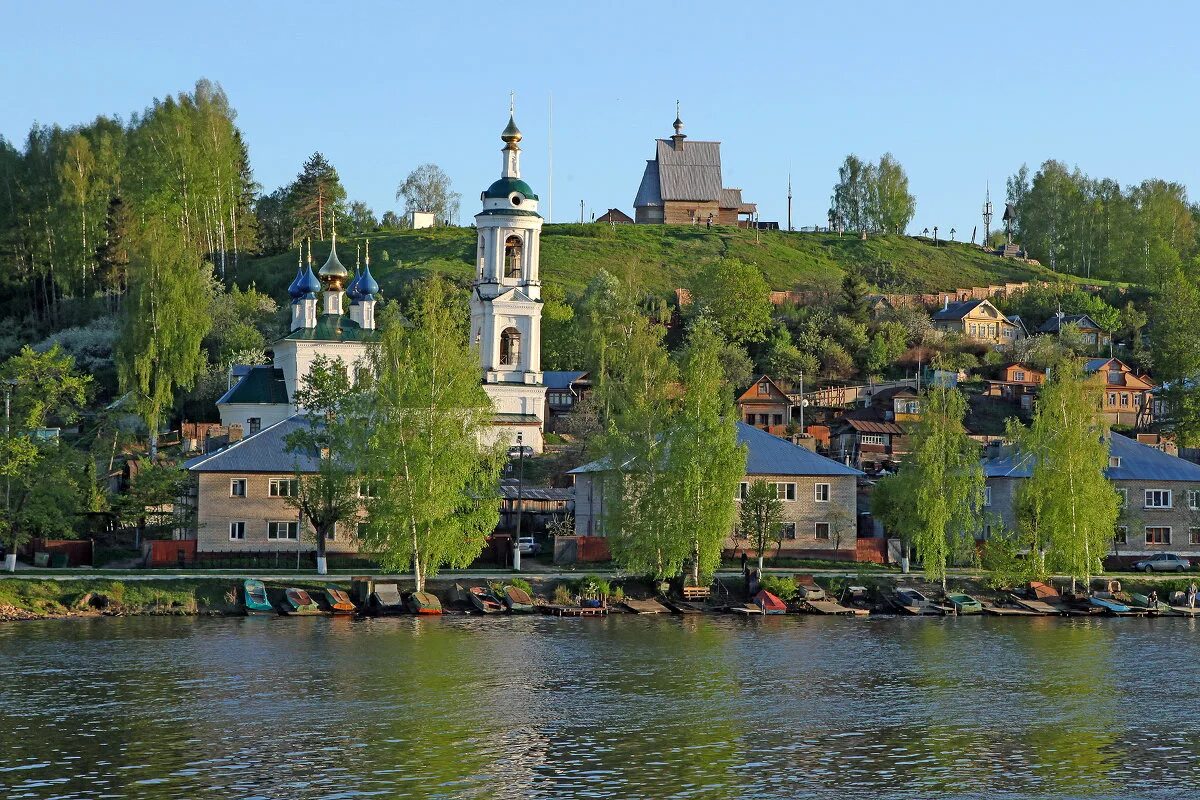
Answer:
(659, 258)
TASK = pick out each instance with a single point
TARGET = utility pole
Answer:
(789, 202)
(10, 559)
(580, 212)
(520, 503)
(550, 162)
(802, 402)
(987, 217)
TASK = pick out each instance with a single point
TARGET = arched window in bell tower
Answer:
(512, 257)
(479, 258)
(510, 347)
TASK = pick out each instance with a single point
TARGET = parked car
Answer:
(516, 451)
(528, 546)
(1163, 562)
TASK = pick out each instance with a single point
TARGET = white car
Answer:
(528, 546)
(1163, 562)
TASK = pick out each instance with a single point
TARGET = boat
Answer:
(517, 600)
(386, 600)
(254, 598)
(339, 602)
(910, 601)
(484, 601)
(297, 602)
(424, 603)
(808, 589)
(963, 603)
(769, 603)
(650, 606)
(1143, 602)
(1110, 606)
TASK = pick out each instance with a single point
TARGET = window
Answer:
(1158, 535)
(283, 530)
(987, 495)
(282, 487)
(1114, 461)
(510, 347)
(361, 529)
(1121, 535)
(764, 388)
(1194, 535)
(1112, 398)
(1158, 498)
(743, 490)
(368, 489)
(253, 425)
(237, 487)
(974, 329)
(237, 531)
(785, 491)
(821, 494)
(1194, 499)
(512, 257)
(1019, 376)
(821, 530)
(872, 438)
(1114, 377)
(787, 530)
(777, 419)
(1123, 495)
(1125, 399)
(912, 407)
(762, 419)
(749, 419)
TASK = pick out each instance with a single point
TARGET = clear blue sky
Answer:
(960, 95)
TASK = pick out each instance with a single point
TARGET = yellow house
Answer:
(979, 321)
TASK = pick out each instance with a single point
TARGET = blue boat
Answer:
(1110, 606)
(254, 598)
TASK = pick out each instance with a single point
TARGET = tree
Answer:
(277, 230)
(760, 517)
(736, 296)
(427, 420)
(391, 221)
(329, 496)
(150, 500)
(561, 345)
(1072, 498)
(851, 201)
(705, 458)
(315, 198)
(112, 252)
(892, 206)
(428, 188)
(893, 503)
(164, 321)
(854, 296)
(362, 218)
(947, 482)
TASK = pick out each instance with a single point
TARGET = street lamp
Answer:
(10, 559)
(520, 488)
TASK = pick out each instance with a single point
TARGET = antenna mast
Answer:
(550, 162)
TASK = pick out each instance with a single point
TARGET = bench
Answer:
(696, 593)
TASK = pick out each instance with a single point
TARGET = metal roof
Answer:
(691, 173)
(561, 379)
(766, 455)
(1139, 462)
(265, 451)
(872, 426)
(647, 193)
(257, 385)
(334, 328)
(508, 491)
(1056, 322)
(958, 310)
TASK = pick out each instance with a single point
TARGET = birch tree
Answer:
(705, 460)
(426, 455)
(947, 479)
(760, 517)
(1076, 506)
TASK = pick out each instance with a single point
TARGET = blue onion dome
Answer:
(367, 287)
(293, 289)
(309, 285)
(352, 289)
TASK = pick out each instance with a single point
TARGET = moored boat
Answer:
(386, 600)
(1110, 606)
(911, 601)
(517, 600)
(963, 603)
(1144, 603)
(807, 588)
(484, 601)
(339, 602)
(424, 603)
(254, 598)
(769, 603)
(298, 602)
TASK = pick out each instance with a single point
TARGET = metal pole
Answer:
(10, 558)
(801, 403)
(520, 488)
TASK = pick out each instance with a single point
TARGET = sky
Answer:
(962, 96)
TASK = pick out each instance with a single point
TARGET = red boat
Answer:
(769, 603)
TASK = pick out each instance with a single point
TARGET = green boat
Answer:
(424, 604)
(254, 598)
(297, 601)
(964, 603)
(517, 600)
(1141, 601)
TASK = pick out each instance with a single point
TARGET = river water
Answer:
(625, 707)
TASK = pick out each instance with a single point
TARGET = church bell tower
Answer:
(506, 299)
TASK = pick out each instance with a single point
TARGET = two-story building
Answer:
(1017, 383)
(818, 496)
(564, 391)
(766, 405)
(1126, 398)
(1093, 335)
(979, 321)
(1160, 497)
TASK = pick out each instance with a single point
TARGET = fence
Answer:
(581, 549)
(59, 552)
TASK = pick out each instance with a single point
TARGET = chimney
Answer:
(945, 302)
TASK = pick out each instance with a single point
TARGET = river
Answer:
(625, 707)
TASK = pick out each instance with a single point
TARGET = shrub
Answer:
(562, 595)
(783, 588)
(522, 584)
(593, 586)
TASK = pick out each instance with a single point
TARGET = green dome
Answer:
(506, 186)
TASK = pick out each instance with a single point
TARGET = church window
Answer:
(510, 347)
(512, 257)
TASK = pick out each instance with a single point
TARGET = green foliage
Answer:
(736, 297)
(1005, 561)
(428, 188)
(149, 502)
(562, 346)
(315, 199)
(426, 418)
(947, 482)
(760, 516)
(893, 503)
(872, 197)
(522, 584)
(593, 586)
(783, 588)
(562, 595)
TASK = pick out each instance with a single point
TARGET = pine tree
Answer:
(112, 253)
(316, 198)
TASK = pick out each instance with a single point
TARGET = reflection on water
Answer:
(629, 707)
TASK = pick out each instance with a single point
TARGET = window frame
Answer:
(1193, 496)
(828, 493)
(873, 438)
(235, 482)
(1168, 494)
(817, 531)
(241, 530)
(1121, 534)
(275, 487)
(787, 530)
(290, 526)
(1165, 540)
(789, 492)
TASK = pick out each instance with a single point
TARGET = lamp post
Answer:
(520, 488)
(10, 559)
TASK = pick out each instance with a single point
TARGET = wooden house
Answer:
(862, 439)
(979, 321)
(1093, 336)
(683, 185)
(1017, 383)
(615, 216)
(1126, 398)
(564, 391)
(766, 406)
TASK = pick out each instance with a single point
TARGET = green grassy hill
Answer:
(659, 258)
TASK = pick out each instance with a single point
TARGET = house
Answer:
(564, 390)
(615, 216)
(539, 507)
(1160, 496)
(1126, 398)
(1017, 383)
(818, 496)
(1092, 334)
(766, 405)
(861, 438)
(901, 404)
(977, 320)
(683, 185)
